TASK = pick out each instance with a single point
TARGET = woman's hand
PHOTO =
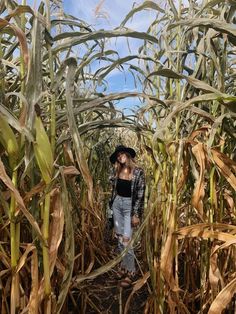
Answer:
(135, 221)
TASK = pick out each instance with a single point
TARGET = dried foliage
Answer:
(57, 131)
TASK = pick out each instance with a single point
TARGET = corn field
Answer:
(57, 131)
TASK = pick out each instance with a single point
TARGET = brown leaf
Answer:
(214, 273)
(33, 301)
(15, 296)
(229, 199)
(78, 143)
(35, 190)
(206, 231)
(223, 298)
(167, 255)
(138, 285)
(197, 132)
(7, 181)
(199, 189)
(4, 272)
(56, 227)
(70, 170)
(225, 166)
(225, 245)
(69, 158)
(21, 263)
(5, 259)
(92, 256)
(21, 37)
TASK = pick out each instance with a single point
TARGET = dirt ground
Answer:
(104, 294)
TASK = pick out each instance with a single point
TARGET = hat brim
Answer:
(128, 150)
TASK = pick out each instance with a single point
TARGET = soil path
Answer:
(104, 294)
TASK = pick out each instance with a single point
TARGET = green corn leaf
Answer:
(9, 142)
(43, 151)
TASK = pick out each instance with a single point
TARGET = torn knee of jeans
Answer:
(125, 241)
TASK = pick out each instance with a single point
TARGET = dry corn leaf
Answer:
(92, 255)
(145, 5)
(4, 272)
(202, 226)
(34, 273)
(199, 189)
(223, 298)
(167, 255)
(184, 173)
(56, 232)
(20, 9)
(214, 273)
(15, 293)
(75, 38)
(69, 157)
(138, 285)
(56, 227)
(69, 246)
(197, 132)
(21, 263)
(7, 181)
(201, 231)
(190, 79)
(35, 190)
(34, 79)
(21, 37)
(225, 245)
(5, 259)
(224, 165)
(182, 106)
(171, 304)
(216, 24)
(229, 199)
(33, 301)
(70, 170)
(78, 144)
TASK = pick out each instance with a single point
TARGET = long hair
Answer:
(130, 164)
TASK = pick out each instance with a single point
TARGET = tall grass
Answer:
(56, 129)
(190, 182)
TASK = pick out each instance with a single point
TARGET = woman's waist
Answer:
(123, 197)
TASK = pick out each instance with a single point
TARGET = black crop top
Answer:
(123, 187)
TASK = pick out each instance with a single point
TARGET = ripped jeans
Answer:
(122, 224)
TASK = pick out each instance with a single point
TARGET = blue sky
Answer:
(108, 16)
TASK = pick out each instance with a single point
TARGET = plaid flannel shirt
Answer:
(138, 186)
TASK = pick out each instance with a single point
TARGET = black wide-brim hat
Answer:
(123, 149)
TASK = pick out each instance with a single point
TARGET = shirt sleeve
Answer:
(112, 180)
(139, 195)
(111, 175)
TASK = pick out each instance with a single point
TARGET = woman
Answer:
(127, 202)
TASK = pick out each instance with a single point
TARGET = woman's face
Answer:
(122, 158)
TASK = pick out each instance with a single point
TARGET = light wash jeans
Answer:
(122, 224)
